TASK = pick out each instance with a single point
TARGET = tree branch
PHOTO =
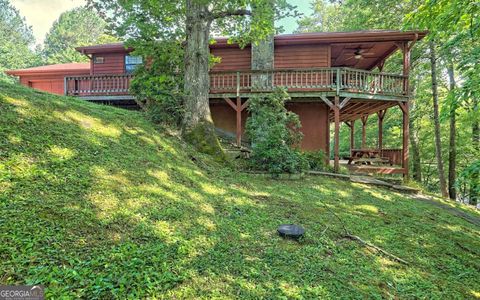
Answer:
(228, 13)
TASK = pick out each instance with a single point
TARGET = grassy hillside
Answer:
(95, 202)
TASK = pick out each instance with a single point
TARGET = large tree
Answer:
(192, 21)
(77, 27)
(16, 40)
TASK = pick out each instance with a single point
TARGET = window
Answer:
(131, 63)
(98, 60)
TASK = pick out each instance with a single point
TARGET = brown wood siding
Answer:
(232, 59)
(302, 56)
(114, 63)
(52, 83)
(315, 125)
(313, 116)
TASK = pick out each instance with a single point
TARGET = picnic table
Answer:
(367, 156)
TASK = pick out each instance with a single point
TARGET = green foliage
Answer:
(158, 83)
(274, 134)
(317, 160)
(469, 178)
(96, 203)
(74, 28)
(16, 41)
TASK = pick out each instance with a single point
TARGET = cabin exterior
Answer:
(331, 78)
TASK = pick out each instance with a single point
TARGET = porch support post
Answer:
(238, 107)
(406, 48)
(364, 120)
(336, 111)
(352, 136)
(239, 121)
(406, 132)
(381, 115)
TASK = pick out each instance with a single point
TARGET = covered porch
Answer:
(363, 158)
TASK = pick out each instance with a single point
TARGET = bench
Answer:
(369, 161)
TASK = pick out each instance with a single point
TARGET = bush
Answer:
(158, 83)
(317, 160)
(274, 134)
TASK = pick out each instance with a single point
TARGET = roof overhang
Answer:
(105, 48)
(57, 69)
(336, 37)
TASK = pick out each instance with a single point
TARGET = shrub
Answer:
(158, 83)
(316, 160)
(274, 134)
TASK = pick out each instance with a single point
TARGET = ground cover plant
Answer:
(96, 202)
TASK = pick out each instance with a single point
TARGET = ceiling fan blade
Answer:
(350, 58)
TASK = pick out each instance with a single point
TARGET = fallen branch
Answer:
(358, 239)
(352, 237)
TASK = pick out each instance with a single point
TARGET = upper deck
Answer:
(307, 82)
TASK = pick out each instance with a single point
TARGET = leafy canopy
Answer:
(16, 41)
(77, 27)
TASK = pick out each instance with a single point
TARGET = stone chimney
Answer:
(262, 60)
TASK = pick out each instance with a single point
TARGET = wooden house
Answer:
(331, 77)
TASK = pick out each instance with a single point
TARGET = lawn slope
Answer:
(95, 202)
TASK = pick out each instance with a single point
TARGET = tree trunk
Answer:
(198, 128)
(452, 150)
(474, 196)
(414, 141)
(436, 120)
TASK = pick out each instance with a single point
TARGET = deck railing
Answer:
(294, 80)
(314, 79)
(95, 85)
(394, 155)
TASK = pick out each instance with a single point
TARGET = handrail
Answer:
(93, 85)
(338, 80)
(305, 69)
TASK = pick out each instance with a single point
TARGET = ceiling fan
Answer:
(360, 53)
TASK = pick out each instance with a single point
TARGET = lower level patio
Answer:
(369, 169)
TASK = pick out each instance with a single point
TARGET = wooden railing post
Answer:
(338, 81)
(238, 84)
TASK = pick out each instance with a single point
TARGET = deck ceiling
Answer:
(355, 109)
(342, 54)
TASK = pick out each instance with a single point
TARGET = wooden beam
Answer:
(403, 106)
(328, 102)
(239, 121)
(336, 110)
(230, 102)
(363, 111)
(244, 105)
(415, 39)
(406, 67)
(383, 57)
(344, 102)
(352, 136)
(381, 115)
(380, 65)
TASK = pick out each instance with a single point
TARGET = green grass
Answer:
(95, 202)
